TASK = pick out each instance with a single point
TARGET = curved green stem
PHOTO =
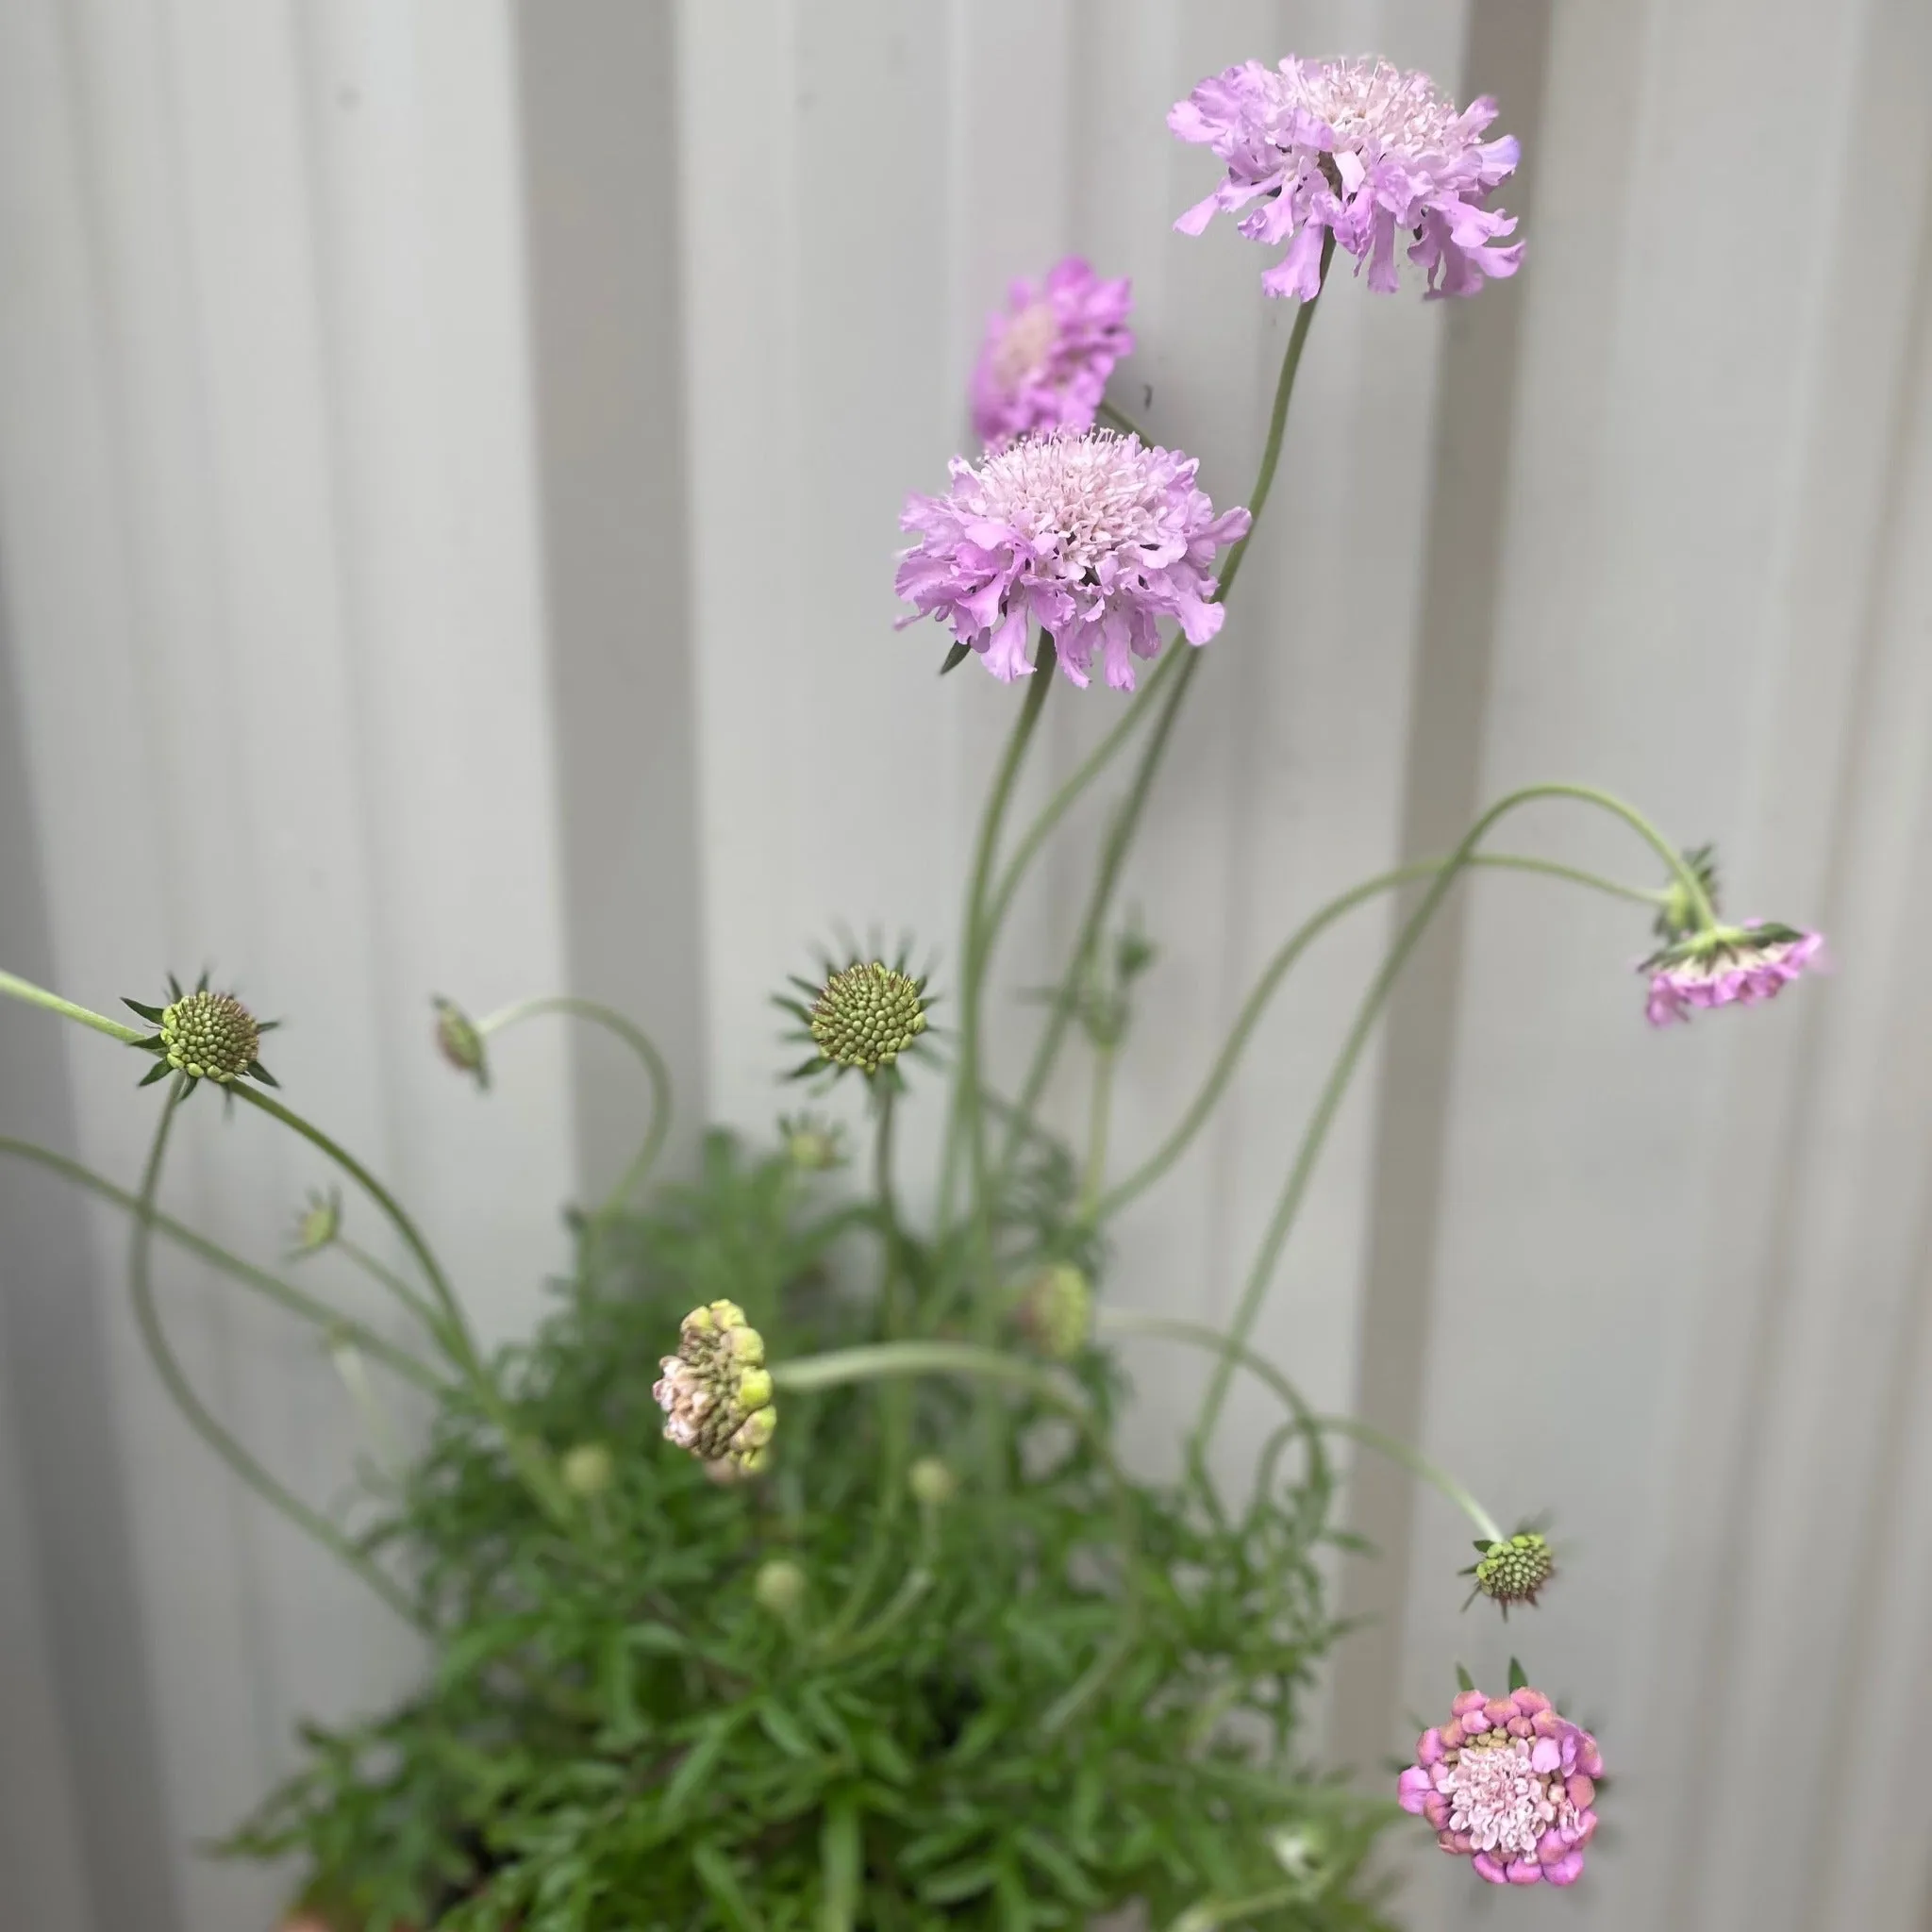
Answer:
(1118, 417)
(285, 1294)
(38, 996)
(453, 1331)
(147, 1316)
(1336, 1088)
(655, 1071)
(386, 1276)
(1277, 422)
(1397, 1449)
(1304, 935)
(887, 1360)
(1099, 1116)
(893, 1273)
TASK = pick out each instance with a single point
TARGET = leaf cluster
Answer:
(618, 1734)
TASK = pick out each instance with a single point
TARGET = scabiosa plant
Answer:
(1359, 150)
(1728, 965)
(1048, 354)
(716, 1392)
(203, 1035)
(1094, 538)
(1508, 1785)
(1511, 1569)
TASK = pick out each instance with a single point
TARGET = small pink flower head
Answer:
(1508, 1785)
(1728, 965)
(1048, 354)
(1359, 150)
(1092, 536)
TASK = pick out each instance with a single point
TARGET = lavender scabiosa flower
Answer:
(1509, 1785)
(1092, 537)
(1048, 354)
(1728, 965)
(1356, 149)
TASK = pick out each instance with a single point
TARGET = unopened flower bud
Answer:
(716, 1393)
(867, 1016)
(459, 1043)
(779, 1585)
(210, 1036)
(932, 1483)
(588, 1469)
(319, 1223)
(1512, 1571)
(812, 1144)
(1056, 1311)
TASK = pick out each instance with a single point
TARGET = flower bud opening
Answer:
(716, 1393)
(588, 1469)
(1056, 1311)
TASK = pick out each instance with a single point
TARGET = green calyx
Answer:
(865, 1017)
(460, 1041)
(1677, 915)
(203, 1035)
(1513, 1570)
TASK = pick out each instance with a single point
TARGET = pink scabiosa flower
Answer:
(1048, 354)
(1092, 536)
(1508, 1785)
(1359, 150)
(1728, 965)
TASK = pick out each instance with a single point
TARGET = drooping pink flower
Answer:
(1508, 1785)
(1728, 965)
(1048, 354)
(1092, 536)
(1359, 150)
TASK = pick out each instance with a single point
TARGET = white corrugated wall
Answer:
(449, 459)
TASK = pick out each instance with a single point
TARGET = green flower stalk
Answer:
(716, 1393)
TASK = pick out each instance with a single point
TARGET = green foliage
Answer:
(619, 1733)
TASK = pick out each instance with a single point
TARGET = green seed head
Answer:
(867, 1016)
(1512, 1572)
(588, 1469)
(210, 1036)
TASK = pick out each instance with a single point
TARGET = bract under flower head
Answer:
(1359, 150)
(1092, 536)
(1728, 965)
(716, 1392)
(1048, 354)
(1509, 1785)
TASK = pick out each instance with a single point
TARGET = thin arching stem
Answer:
(1336, 1088)
(284, 1294)
(655, 1071)
(148, 1318)
(38, 996)
(1277, 968)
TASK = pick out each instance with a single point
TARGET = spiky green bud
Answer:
(317, 1224)
(867, 1016)
(588, 1469)
(460, 1041)
(210, 1036)
(1513, 1570)
(812, 1146)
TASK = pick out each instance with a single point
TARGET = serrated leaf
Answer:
(1464, 1681)
(1518, 1678)
(955, 656)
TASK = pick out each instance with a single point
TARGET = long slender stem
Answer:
(38, 996)
(1099, 1116)
(972, 986)
(655, 1071)
(285, 1294)
(1397, 1449)
(1276, 971)
(887, 1360)
(1277, 422)
(386, 1276)
(1329, 1103)
(147, 1317)
(893, 1302)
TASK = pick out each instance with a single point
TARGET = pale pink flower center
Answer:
(1501, 1800)
(1092, 497)
(1372, 105)
(1025, 347)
